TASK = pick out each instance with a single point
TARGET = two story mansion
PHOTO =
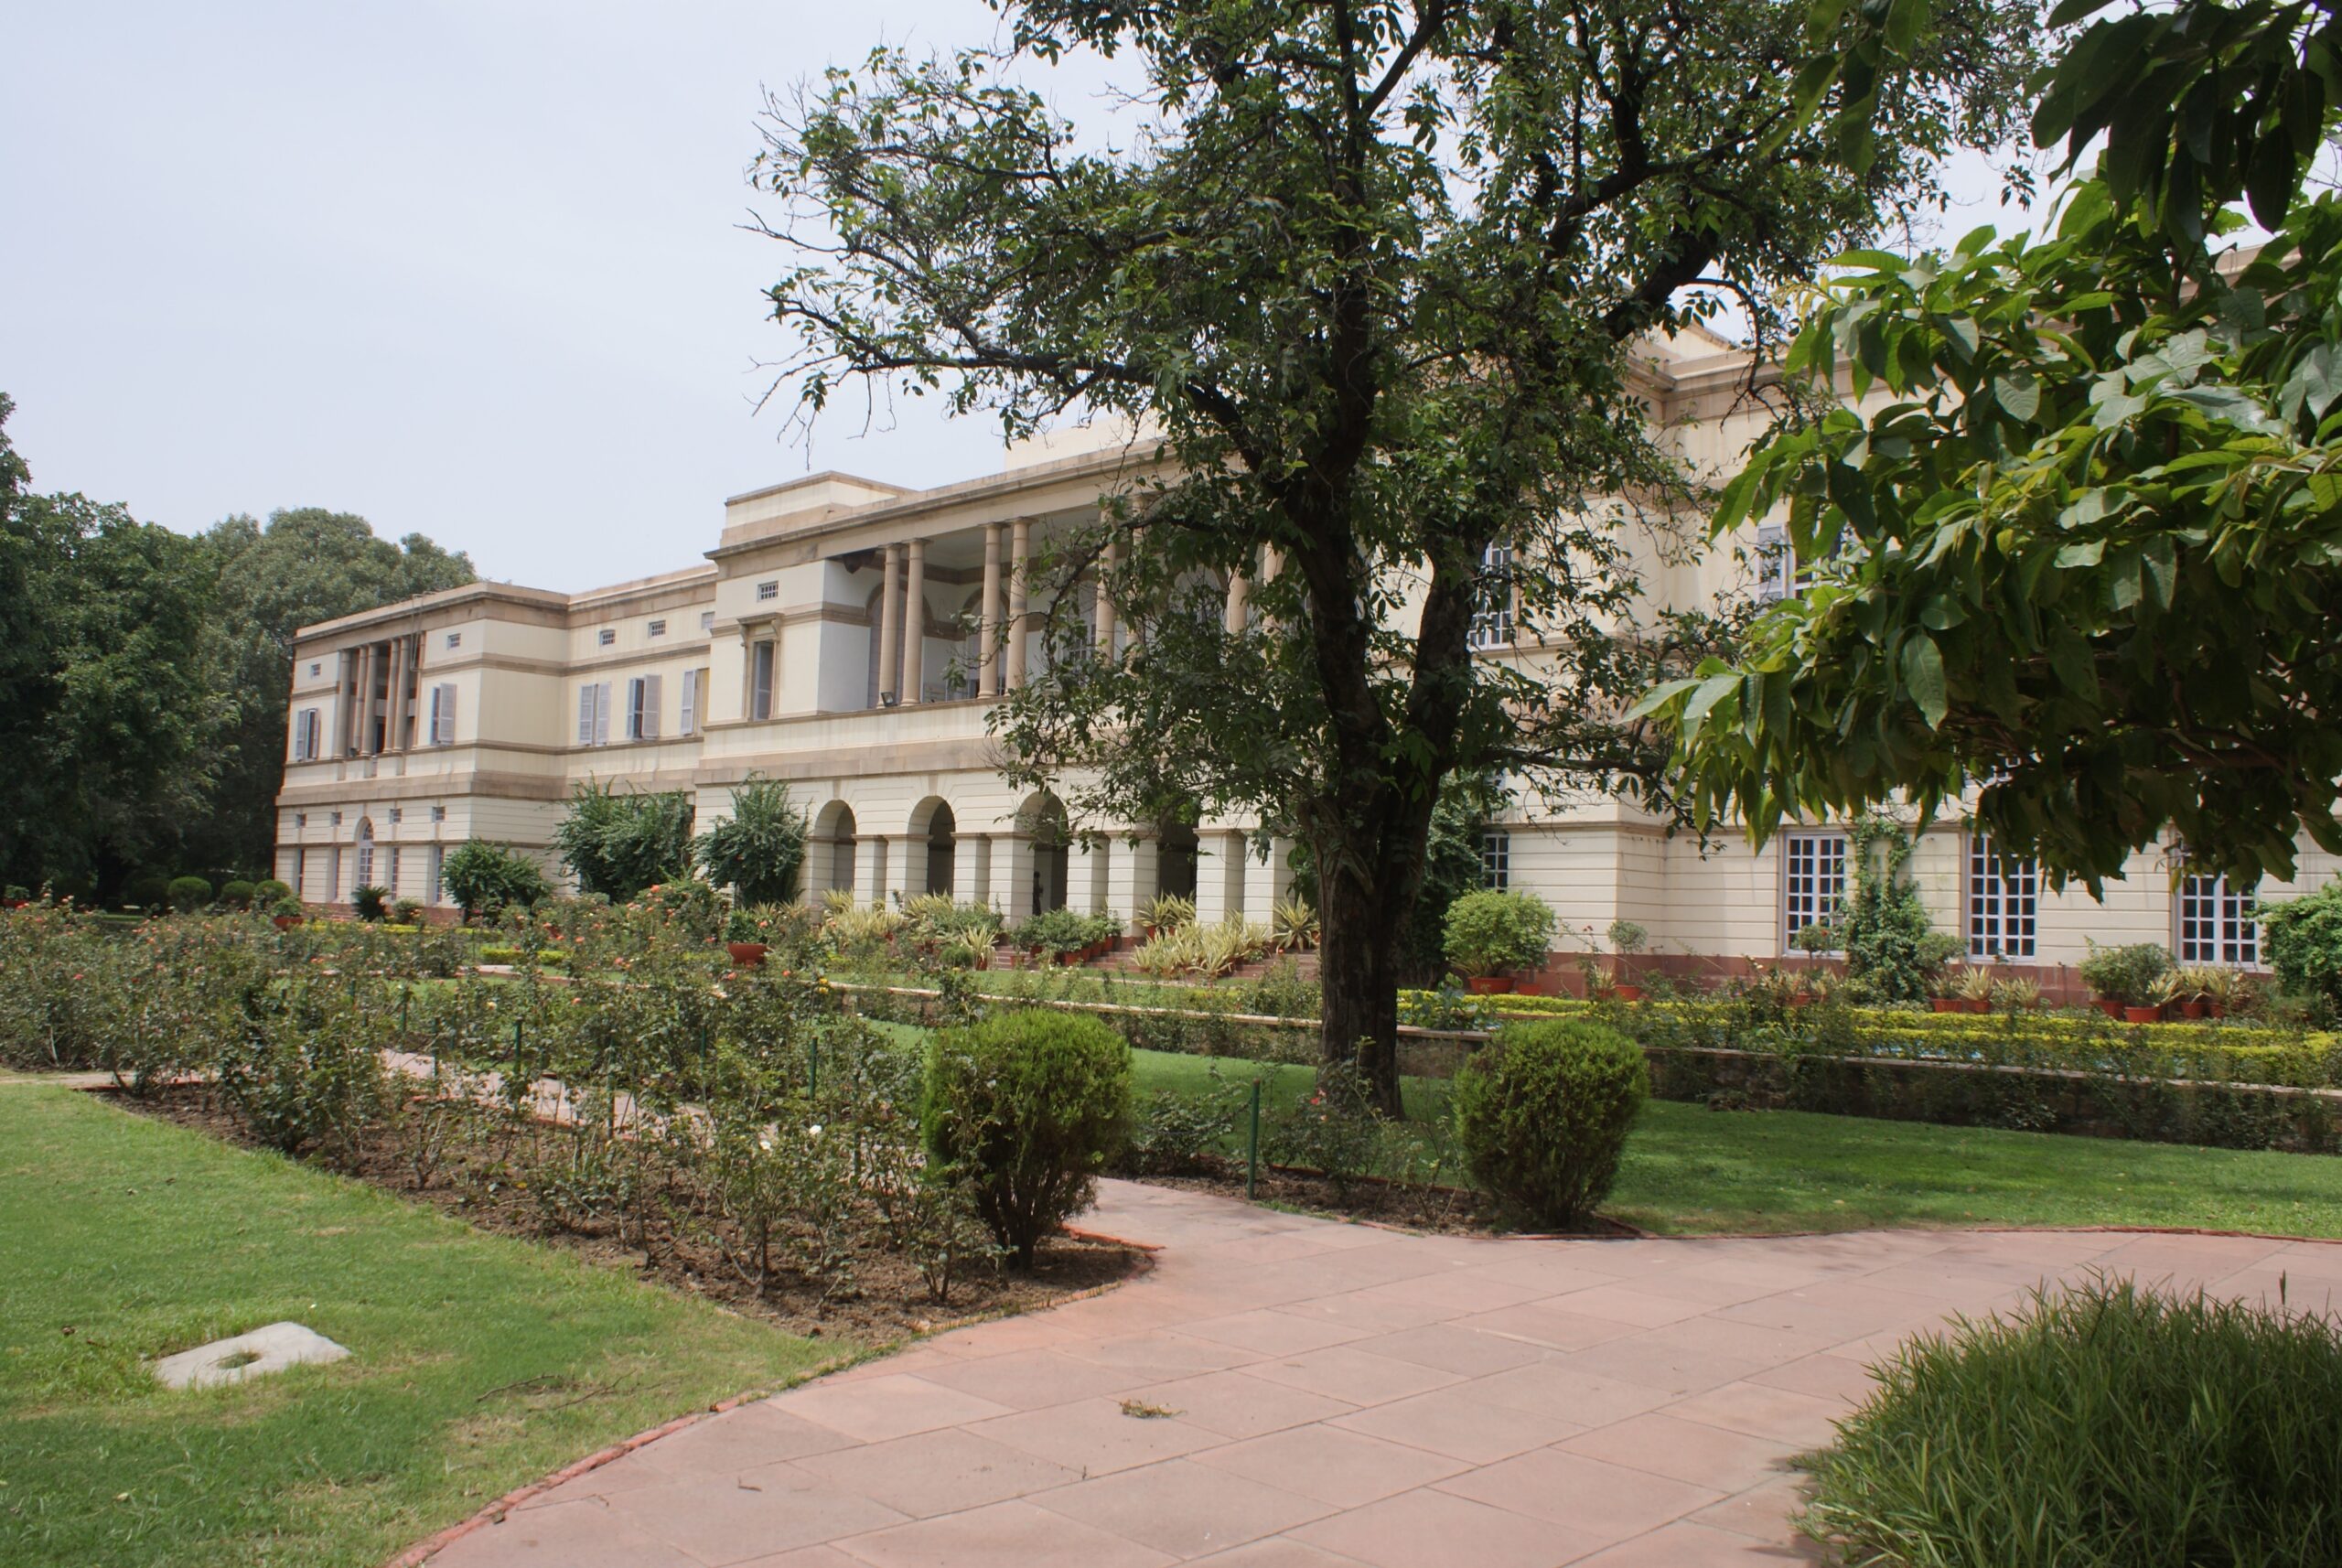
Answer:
(846, 635)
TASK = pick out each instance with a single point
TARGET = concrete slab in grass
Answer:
(269, 1350)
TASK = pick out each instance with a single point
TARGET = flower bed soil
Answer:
(887, 1301)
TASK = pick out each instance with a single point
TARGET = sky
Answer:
(474, 271)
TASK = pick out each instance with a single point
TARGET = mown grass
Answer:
(479, 1362)
(1689, 1169)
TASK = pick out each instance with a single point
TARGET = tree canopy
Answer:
(1374, 270)
(2081, 550)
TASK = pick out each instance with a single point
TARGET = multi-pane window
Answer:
(1814, 880)
(708, 620)
(2004, 900)
(1492, 598)
(438, 813)
(2215, 923)
(657, 629)
(391, 878)
(432, 860)
(769, 590)
(761, 659)
(455, 640)
(608, 636)
(1496, 859)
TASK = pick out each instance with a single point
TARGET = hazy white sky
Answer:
(472, 270)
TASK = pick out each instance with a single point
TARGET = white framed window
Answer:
(1492, 598)
(334, 819)
(308, 735)
(2004, 901)
(760, 663)
(708, 620)
(398, 815)
(433, 858)
(642, 707)
(768, 590)
(455, 640)
(438, 813)
(1813, 881)
(1496, 859)
(657, 629)
(316, 669)
(608, 637)
(2215, 923)
(594, 713)
(443, 713)
(687, 722)
(1779, 574)
(300, 819)
(391, 875)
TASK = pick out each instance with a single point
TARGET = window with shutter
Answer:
(443, 714)
(631, 727)
(761, 682)
(653, 695)
(689, 721)
(602, 713)
(585, 714)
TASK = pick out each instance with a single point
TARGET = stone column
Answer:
(1131, 880)
(1239, 594)
(401, 664)
(1019, 628)
(366, 666)
(988, 633)
(915, 623)
(1271, 564)
(890, 627)
(907, 865)
(1104, 602)
(1219, 876)
(1090, 868)
(971, 859)
(870, 868)
(1277, 877)
(1016, 897)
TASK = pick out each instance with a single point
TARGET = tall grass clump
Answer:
(2102, 1427)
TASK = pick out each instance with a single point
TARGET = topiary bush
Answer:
(236, 894)
(149, 892)
(265, 893)
(2304, 939)
(1543, 1113)
(2105, 1427)
(188, 894)
(1026, 1108)
(1492, 932)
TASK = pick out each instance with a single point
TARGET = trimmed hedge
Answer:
(1542, 1115)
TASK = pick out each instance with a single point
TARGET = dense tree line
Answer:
(145, 675)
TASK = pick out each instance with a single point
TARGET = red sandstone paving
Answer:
(1285, 1391)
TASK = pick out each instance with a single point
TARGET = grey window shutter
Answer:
(585, 715)
(443, 714)
(602, 714)
(651, 696)
(689, 718)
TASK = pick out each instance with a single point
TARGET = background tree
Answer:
(759, 849)
(620, 842)
(106, 718)
(2084, 554)
(308, 565)
(1374, 270)
(483, 878)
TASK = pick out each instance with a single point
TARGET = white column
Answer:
(1239, 591)
(1104, 617)
(1016, 897)
(395, 739)
(1219, 876)
(366, 702)
(890, 622)
(1090, 868)
(1020, 552)
(915, 623)
(971, 858)
(988, 643)
(1130, 879)
(1277, 877)
(870, 868)
(907, 865)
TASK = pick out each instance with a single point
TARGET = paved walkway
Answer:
(1288, 1393)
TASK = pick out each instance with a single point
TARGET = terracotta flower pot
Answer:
(2108, 1006)
(1628, 992)
(1488, 984)
(2216, 1009)
(1975, 1004)
(2142, 1014)
(1943, 1003)
(1802, 999)
(2195, 1007)
(748, 955)
(286, 922)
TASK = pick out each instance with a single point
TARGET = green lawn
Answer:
(1690, 1169)
(479, 1362)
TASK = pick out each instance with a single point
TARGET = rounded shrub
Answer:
(2098, 1428)
(1493, 931)
(1027, 1107)
(188, 894)
(236, 894)
(2304, 938)
(147, 891)
(266, 894)
(1541, 1113)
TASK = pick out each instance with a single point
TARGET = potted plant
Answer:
(2190, 990)
(286, 912)
(2125, 979)
(1976, 991)
(744, 938)
(1492, 933)
(2017, 996)
(1943, 989)
(1627, 939)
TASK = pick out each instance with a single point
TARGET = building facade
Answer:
(849, 636)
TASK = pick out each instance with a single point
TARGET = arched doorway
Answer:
(943, 834)
(829, 851)
(1175, 860)
(1043, 821)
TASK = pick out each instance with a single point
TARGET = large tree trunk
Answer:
(1362, 901)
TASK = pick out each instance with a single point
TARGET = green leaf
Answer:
(1922, 664)
(2019, 394)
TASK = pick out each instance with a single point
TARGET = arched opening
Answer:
(1175, 860)
(942, 836)
(1043, 821)
(365, 852)
(829, 851)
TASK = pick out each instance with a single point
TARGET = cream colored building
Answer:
(836, 637)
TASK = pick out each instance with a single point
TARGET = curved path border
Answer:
(1284, 1391)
